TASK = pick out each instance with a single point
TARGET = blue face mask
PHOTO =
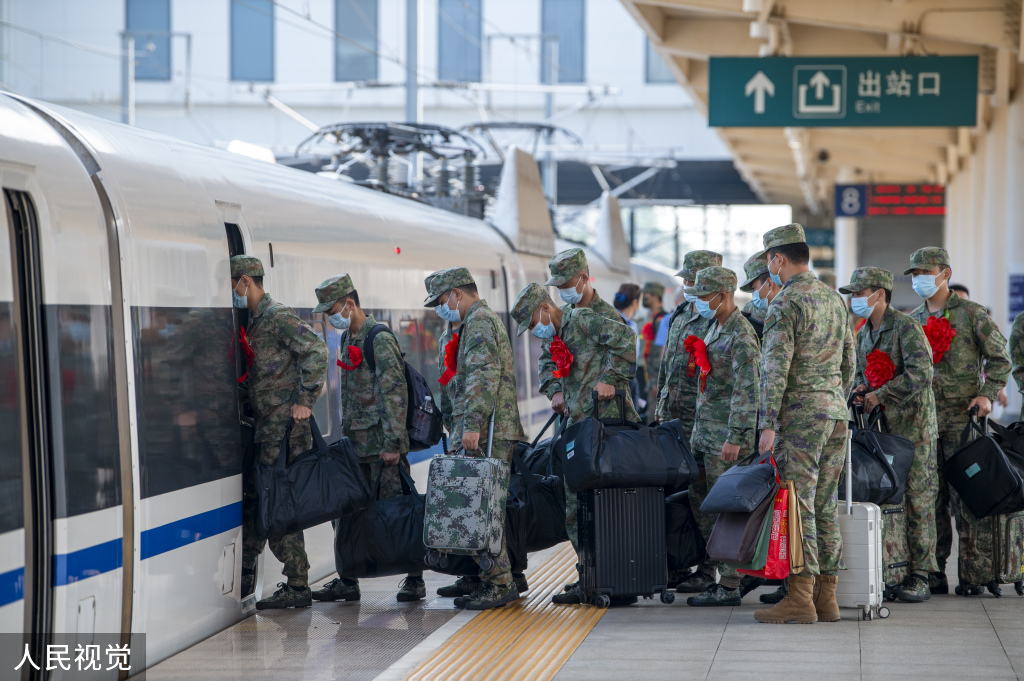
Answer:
(448, 314)
(241, 302)
(861, 308)
(571, 295)
(759, 302)
(689, 298)
(544, 331)
(704, 308)
(925, 286)
(339, 322)
(776, 279)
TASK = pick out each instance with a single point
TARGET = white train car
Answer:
(120, 456)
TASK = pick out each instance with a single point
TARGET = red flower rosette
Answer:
(940, 335)
(561, 356)
(451, 356)
(247, 352)
(878, 369)
(355, 355)
(698, 350)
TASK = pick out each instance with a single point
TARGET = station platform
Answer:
(948, 637)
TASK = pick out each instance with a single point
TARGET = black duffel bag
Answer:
(600, 453)
(683, 540)
(542, 522)
(741, 488)
(881, 461)
(322, 484)
(988, 478)
(385, 538)
(539, 455)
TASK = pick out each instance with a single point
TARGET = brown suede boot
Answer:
(825, 598)
(797, 606)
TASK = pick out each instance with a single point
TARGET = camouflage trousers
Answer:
(501, 572)
(952, 417)
(291, 548)
(813, 455)
(919, 502)
(711, 468)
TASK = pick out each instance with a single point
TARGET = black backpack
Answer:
(423, 420)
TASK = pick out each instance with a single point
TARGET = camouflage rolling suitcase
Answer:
(895, 552)
(991, 553)
(465, 507)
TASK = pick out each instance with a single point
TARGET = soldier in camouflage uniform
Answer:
(603, 360)
(757, 284)
(959, 385)
(653, 294)
(807, 370)
(374, 404)
(570, 273)
(677, 388)
(909, 408)
(726, 412)
(287, 375)
(483, 384)
(1017, 356)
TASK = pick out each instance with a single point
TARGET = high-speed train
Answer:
(120, 455)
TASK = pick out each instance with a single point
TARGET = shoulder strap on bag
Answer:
(368, 355)
(544, 430)
(972, 422)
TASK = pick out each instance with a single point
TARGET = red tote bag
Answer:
(777, 566)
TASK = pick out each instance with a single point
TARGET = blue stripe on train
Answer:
(189, 530)
(88, 562)
(12, 586)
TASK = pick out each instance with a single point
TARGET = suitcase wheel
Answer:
(1019, 588)
(868, 613)
(883, 612)
(995, 589)
(443, 561)
(668, 598)
(601, 601)
(891, 592)
(433, 558)
(486, 563)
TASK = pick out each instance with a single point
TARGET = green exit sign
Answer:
(842, 91)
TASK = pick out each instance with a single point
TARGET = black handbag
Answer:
(322, 484)
(881, 461)
(742, 487)
(539, 456)
(600, 453)
(542, 519)
(988, 478)
(683, 540)
(735, 535)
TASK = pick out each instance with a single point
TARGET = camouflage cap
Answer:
(927, 258)
(753, 268)
(827, 278)
(246, 265)
(331, 291)
(655, 287)
(566, 264)
(694, 261)
(713, 280)
(526, 302)
(865, 277)
(443, 281)
(782, 236)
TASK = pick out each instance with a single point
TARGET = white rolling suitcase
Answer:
(861, 584)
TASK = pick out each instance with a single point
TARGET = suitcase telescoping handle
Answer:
(849, 472)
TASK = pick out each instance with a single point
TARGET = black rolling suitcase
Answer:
(622, 544)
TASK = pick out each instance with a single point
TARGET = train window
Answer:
(11, 510)
(236, 246)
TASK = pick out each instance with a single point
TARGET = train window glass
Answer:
(185, 397)
(252, 40)
(150, 22)
(83, 408)
(11, 511)
(236, 246)
(355, 48)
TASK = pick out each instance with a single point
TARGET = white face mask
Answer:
(572, 295)
(339, 322)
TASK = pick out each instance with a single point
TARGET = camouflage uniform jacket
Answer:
(676, 390)
(727, 409)
(484, 364)
(1017, 355)
(374, 400)
(907, 397)
(549, 385)
(289, 367)
(978, 345)
(604, 351)
(808, 360)
(756, 313)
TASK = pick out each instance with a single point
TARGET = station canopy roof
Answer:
(798, 166)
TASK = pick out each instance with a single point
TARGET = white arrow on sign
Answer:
(758, 85)
(819, 81)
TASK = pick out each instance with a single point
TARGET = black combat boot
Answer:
(337, 590)
(493, 596)
(715, 595)
(521, 585)
(937, 583)
(412, 589)
(463, 586)
(287, 597)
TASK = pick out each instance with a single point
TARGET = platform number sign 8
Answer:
(851, 200)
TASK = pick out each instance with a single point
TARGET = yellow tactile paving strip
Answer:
(528, 641)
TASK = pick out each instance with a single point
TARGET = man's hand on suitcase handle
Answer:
(730, 452)
(558, 403)
(300, 413)
(470, 441)
(767, 442)
(983, 404)
(605, 391)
